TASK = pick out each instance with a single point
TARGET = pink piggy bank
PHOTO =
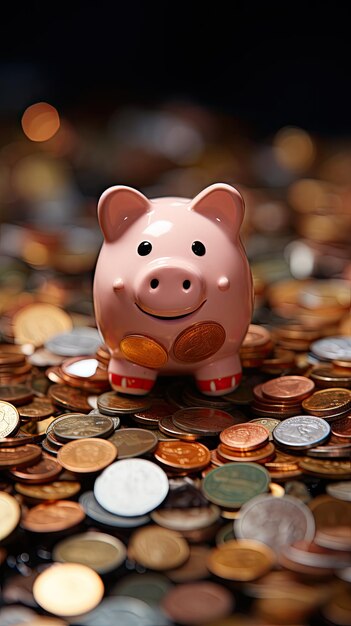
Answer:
(173, 288)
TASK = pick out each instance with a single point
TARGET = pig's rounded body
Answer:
(173, 289)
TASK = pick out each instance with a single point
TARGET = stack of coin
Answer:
(295, 337)
(14, 367)
(245, 442)
(327, 376)
(281, 397)
(256, 346)
(331, 403)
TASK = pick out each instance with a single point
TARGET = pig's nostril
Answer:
(186, 284)
(154, 283)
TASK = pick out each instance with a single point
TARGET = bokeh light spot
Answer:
(294, 149)
(40, 121)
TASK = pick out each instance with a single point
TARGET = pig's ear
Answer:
(118, 208)
(222, 204)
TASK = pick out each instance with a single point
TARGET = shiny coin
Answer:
(132, 442)
(131, 487)
(124, 611)
(53, 516)
(10, 513)
(158, 548)
(197, 603)
(241, 560)
(102, 552)
(87, 455)
(112, 403)
(152, 416)
(301, 432)
(77, 342)
(198, 342)
(275, 521)
(70, 398)
(37, 323)
(19, 456)
(245, 437)
(93, 509)
(234, 484)
(57, 490)
(79, 426)
(263, 454)
(38, 409)
(167, 427)
(68, 589)
(182, 454)
(328, 402)
(288, 388)
(342, 428)
(268, 422)
(9, 419)
(15, 394)
(46, 470)
(205, 421)
(143, 351)
(332, 348)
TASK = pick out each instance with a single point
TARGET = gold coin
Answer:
(199, 342)
(10, 513)
(100, 551)
(9, 419)
(158, 548)
(37, 323)
(329, 512)
(328, 469)
(57, 490)
(143, 351)
(68, 589)
(87, 455)
(241, 559)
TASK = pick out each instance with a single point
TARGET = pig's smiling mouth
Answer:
(169, 317)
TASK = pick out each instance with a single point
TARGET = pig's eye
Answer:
(144, 248)
(198, 248)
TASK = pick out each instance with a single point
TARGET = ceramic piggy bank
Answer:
(172, 288)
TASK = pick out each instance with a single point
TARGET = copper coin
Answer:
(84, 371)
(21, 438)
(113, 403)
(16, 394)
(205, 421)
(46, 470)
(194, 569)
(327, 402)
(342, 428)
(198, 342)
(167, 427)
(326, 468)
(245, 437)
(133, 442)
(87, 455)
(288, 388)
(242, 559)
(329, 512)
(158, 410)
(11, 358)
(9, 419)
(49, 447)
(144, 351)
(198, 603)
(256, 336)
(330, 377)
(79, 426)
(69, 397)
(264, 454)
(158, 548)
(19, 456)
(53, 516)
(38, 409)
(57, 490)
(183, 454)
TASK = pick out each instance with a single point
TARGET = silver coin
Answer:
(301, 432)
(340, 490)
(124, 610)
(77, 342)
(116, 420)
(77, 426)
(131, 487)
(333, 348)
(275, 521)
(96, 512)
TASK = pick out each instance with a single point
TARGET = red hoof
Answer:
(221, 385)
(129, 384)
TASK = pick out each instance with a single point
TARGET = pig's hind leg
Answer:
(130, 378)
(219, 377)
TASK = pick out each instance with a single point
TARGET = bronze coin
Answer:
(38, 409)
(205, 421)
(113, 403)
(342, 428)
(330, 377)
(158, 548)
(44, 471)
(78, 426)
(16, 394)
(198, 342)
(256, 336)
(264, 454)
(183, 455)
(87, 455)
(143, 351)
(167, 427)
(326, 468)
(19, 456)
(133, 442)
(245, 437)
(198, 603)
(53, 516)
(49, 447)
(11, 359)
(70, 397)
(56, 490)
(328, 402)
(288, 388)
(195, 568)
(152, 416)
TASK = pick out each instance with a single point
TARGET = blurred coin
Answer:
(333, 348)
(131, 487)
(329, 512)
(288, 388)
(77, 342)
(244, 437)
(330, 451)
(9, 419)
(133, 442)
(335, 538)
(205, 421)
(198, 342)
(326, 468)
(20, 456)
(158, 548)
(341, 490)
(256, 336)
(234, 484)
(16, 394)
(68, 589)
(87, 455)
(330, 377)
(52, 516)
(70, 398)
(197, 602)
(37, 323)
(195, 568)
(143, 351)
(75, 426)
(167, 426)
(102, 552)
(57, 490)
(44, 471)
(44, 358)
(10, 513)
(275, 521)
(148, 587)
(93, 509)
(191, 518)
(301, 432)
(182, 454)
(124, 610)
(241, 560)
(112, 403)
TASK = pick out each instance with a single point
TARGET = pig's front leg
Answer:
(220, 377)
(127, 377)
